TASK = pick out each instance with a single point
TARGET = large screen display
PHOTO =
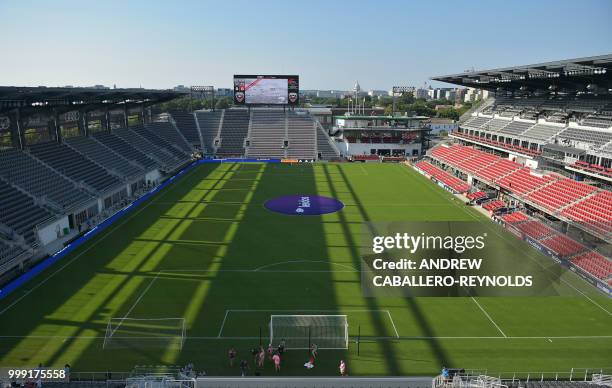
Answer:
(266, 89)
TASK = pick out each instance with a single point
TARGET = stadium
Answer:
(148, 246)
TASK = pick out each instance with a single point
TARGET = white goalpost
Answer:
(127, 332)
(300, 331)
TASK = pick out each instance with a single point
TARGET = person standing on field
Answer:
(342, 367)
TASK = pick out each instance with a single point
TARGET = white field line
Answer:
(489, 317)
(393, 323)
(135, 304)
(363, 169)
(223, 323)
(227, 312)
(527, 254)
(95, 243)
(305, 261)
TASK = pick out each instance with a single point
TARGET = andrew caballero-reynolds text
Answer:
(412, 270)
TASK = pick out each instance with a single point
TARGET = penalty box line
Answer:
(227, 312)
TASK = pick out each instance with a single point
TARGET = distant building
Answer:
(181, 88)
(475, 95)
(421, 93)
(331, 93)
(224, 92)
(439, 124)
(378, 93)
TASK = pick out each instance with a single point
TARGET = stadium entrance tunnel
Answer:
(304, 205)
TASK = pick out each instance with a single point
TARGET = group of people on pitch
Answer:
(274, 355)
(259, 357)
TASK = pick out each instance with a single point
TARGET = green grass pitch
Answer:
(205, 249)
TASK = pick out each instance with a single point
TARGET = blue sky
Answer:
(330, 44)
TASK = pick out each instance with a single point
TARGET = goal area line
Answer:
(308, 312)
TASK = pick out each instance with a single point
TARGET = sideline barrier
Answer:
(49, 261)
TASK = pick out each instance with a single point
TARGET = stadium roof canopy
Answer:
(69, 98)
(589, 74)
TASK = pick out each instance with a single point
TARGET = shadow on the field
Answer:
(74, 306)
(442, 357)
(265, 270)
(390, 357)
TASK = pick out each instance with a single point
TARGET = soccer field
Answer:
(205, 249)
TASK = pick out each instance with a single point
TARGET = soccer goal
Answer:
(126, 332)
(300, 331)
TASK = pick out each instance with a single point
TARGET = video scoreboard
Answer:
(266, 89)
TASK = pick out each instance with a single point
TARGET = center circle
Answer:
(303, 205)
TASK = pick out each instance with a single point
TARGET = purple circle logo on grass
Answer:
(303, 205)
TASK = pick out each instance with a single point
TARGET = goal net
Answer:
(300, 331)
(126, 332)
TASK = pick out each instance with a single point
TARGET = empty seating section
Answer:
(562, 245)
(451, 181)
(515, 217)
(497, 170)
(554, 104)
(164, 158)
(8, 252)
(324, 148)
(597, 138)
(594, 263)
(19, 212)
(597, 121)
(481, 164)
(478, 162)
(74, 165)
(162, 143)
(542, 132)
(553, 192)
(495, 125)
(593, 168)
(104, 156)
(516, 127)
(126, 150)
(234, 130)
(185, 122)
(476, 122)
(560, 193)
(267, 134)
(535, 229)
(37, 179)
(523, 181)
(494, 205)
(594, 212)
(302, 136)
(499, 144)
(476, 195)
(167, 131)
(209, 127)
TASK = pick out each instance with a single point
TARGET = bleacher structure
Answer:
(584, 206)
(234, 130)
(208, 124)
(62, 179)
(188, 127)
(267, 134)
(302, 136)
(545, 150)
